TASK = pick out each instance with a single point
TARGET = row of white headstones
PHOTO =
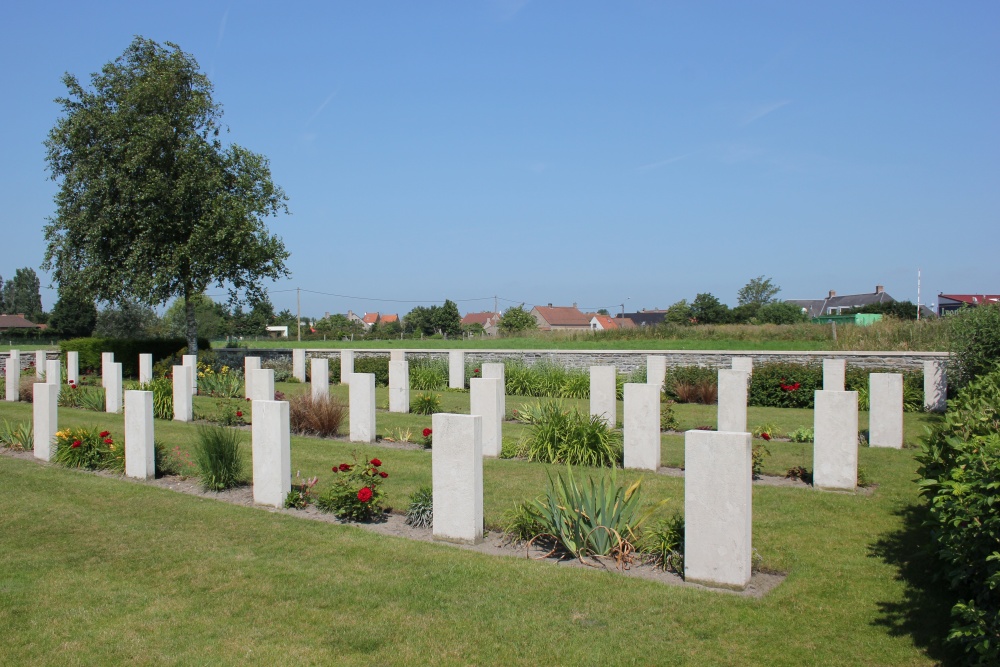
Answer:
(718, 464)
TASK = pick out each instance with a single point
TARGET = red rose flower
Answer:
(375, 462)
(104, 434)
(365, 494)
(344, 467)
(76, 443)
(427, 432)
(383, 475)
(239, 414)
(109, 441)
(765, 436)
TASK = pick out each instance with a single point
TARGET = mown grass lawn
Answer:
(98, 570)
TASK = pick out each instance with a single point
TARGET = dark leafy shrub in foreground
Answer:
(322, 417)
(559, 435)
(219, 457)
(960, 470)
(974, 336)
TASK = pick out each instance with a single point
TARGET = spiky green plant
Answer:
(18, 436)
(576, 385)
(163, 396)
(219, 457)
(420, 513)
(426, 404)
(664, 543)
(558, 435)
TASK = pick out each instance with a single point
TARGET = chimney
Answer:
(832, 294)
(574, 304)
(879, 289)
(550, 305)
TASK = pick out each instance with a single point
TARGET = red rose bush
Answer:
(356, 493)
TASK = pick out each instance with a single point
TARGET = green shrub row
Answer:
(960, 471)
(126, 351)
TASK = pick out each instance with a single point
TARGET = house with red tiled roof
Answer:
(371, 319)
(560, 318)
(950, 302)
(490, 322)
(606, 322)
(17, 322)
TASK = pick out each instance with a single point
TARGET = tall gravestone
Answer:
(656, 369)
(642, 426)
(362, 408)
(486, 400)
(457, 478)
(744, 364)
(835, 440)
(72, 367)
(140, 459)
(40, 366)
(456, 369)
(319, 378)
(263, 384)
(145, 368)
(45, 423)
(834, 374)
(107, 358)
(299, 364)
(604, 394)
(250, 364)
(113, 389)
(397, 355)
(935, 386)
(13, 379)
(718, 506)
(732, 400)
(191, 361)
(53, 371)
(270, 445)
(346, 366)
(496, 371)
(885, 417)
(399, 386)
(183, 408)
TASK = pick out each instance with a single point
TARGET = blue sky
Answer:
(570, 151)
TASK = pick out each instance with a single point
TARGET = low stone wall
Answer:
(624, 360)
(28, 359)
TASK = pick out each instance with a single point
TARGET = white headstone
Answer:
(835, 440)
(13, 379)
(53, 371)
(250, 364)
(486, 400)
(263, 384)
(656, 369)
(272, 467)
(362, 408)
(834, 374)
(319, 378)
(642, 426)
(107, 358)
(496, 371)
(604, 394)
(346, 366)
(145, 368)
(40, 367)
(885, 419)
(732, 400)
(744, 364)
(183, 409)
(140, 457)
(718, 507)
(44, 410)
(399, 386)
(113, 390)
(456, 369)
(457, 478)
(397, 355)
(935, 386)
(72, 367)
(191, 360)
(299, 363)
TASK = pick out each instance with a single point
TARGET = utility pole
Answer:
(495, 304)
(298, 310)
(918, 295)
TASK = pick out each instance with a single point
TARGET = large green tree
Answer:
(74, 315)
(151, 204)
(759, 291)
(22, 294)
(517, 319)
(707, 309)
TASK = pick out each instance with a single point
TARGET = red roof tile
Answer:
(563, 316)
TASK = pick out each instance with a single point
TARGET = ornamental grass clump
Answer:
(89, 448)
(663, 543)
(322, 416)
(222, 383)
(17, 436)
(420, 513)
(219, 456)
(559, 435)
(426, 404)
(163, 396)
(356, 493)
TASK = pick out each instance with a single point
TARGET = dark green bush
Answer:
(377, 365)
(974, 336)
(780, 385)
(126, 351)
(960, 468)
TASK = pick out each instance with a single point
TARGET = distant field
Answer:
(542, 344)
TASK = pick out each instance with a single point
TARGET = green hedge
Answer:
(126, 351)
(960, 470)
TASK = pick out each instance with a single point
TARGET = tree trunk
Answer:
(192, 324)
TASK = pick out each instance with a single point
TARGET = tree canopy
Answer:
(22, 294)
(151, 204)
(758, 291)
(517, 319)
